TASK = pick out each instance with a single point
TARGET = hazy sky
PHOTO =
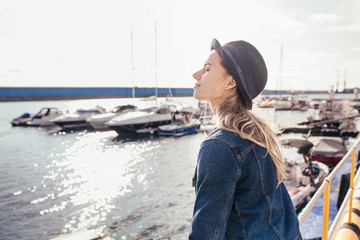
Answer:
(87, 43)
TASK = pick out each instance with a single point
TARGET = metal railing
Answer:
(325, 188)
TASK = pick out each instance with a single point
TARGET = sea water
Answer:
(52, 182)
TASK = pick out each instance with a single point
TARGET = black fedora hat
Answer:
(246, 65)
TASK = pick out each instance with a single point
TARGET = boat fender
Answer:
(344, 186)
(349, 231)
(307, 172)
(358, 161)
(315, 169)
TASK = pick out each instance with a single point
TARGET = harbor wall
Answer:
(57, 93)
(63, 93)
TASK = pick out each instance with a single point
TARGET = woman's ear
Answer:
(231, 83)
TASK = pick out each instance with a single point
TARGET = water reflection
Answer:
(92, 171)
(132, 137)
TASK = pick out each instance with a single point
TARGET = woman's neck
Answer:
(214, 106)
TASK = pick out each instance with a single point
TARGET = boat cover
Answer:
(303, 145)
(327, 145)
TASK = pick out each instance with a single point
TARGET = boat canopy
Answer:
(303, 145)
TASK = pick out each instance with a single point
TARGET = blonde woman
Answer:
(239, 172)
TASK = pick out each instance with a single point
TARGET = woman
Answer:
(239, 173)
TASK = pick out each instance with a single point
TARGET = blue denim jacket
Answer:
(236, 194)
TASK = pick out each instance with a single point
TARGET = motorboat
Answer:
(144, 120)
(179, 128)
(203, 110)
(266, 103)
(332, 109)
(303, 178)
(314, 103)
(207, 127)
(284, 103)
(150, 98)
(291, 103)
(355, 103)
(300, 105)
(44, 117)
(22, 120)
(206, 117)
(335, 117)
(98, 121)
(77, 120)
(185, 126)
(327, 150)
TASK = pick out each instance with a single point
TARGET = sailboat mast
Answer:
(132, 63)
(344, 80)
(337, 80)
(281, 65)
(280, 72)
(156, 90)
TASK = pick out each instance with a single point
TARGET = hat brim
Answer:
(235, 70)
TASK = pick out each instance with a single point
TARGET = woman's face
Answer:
(212, 80)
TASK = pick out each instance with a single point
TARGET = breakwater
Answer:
(69, 93)
(62, 93)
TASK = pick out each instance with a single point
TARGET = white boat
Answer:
(355, 103)
(150, 98)
(265, 103)
(335, 109)
(300, 105)
(187, 125)
(327, 150)
(178, 128)
(44, 117)
(144, 120)
(22, 120)
(207, 127)
(98, 121)
(77, 121)
(314, 103)
(285, 103)
(303, 178)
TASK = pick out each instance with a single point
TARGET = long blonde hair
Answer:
(231, 115)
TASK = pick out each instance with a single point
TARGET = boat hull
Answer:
(139, 128)
(99, 125)
(178, 130)
(74, 125)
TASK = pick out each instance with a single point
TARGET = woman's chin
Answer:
(197, 96)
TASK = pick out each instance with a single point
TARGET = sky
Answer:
(148, 43)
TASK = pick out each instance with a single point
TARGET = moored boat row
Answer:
(323, 144)
(167, 119)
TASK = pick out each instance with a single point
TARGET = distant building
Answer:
(351, 90)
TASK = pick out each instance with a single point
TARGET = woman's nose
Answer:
(197, 76)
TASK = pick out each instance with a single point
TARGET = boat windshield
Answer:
(148, 109)
(163, 111)
(122, 108)
(82, 111)
(42, 112)
(52, 111)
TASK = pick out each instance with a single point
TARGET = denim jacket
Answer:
(236, 194)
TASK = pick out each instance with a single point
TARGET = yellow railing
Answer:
(325, 188)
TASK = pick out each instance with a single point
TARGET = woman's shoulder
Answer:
(228, 137)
